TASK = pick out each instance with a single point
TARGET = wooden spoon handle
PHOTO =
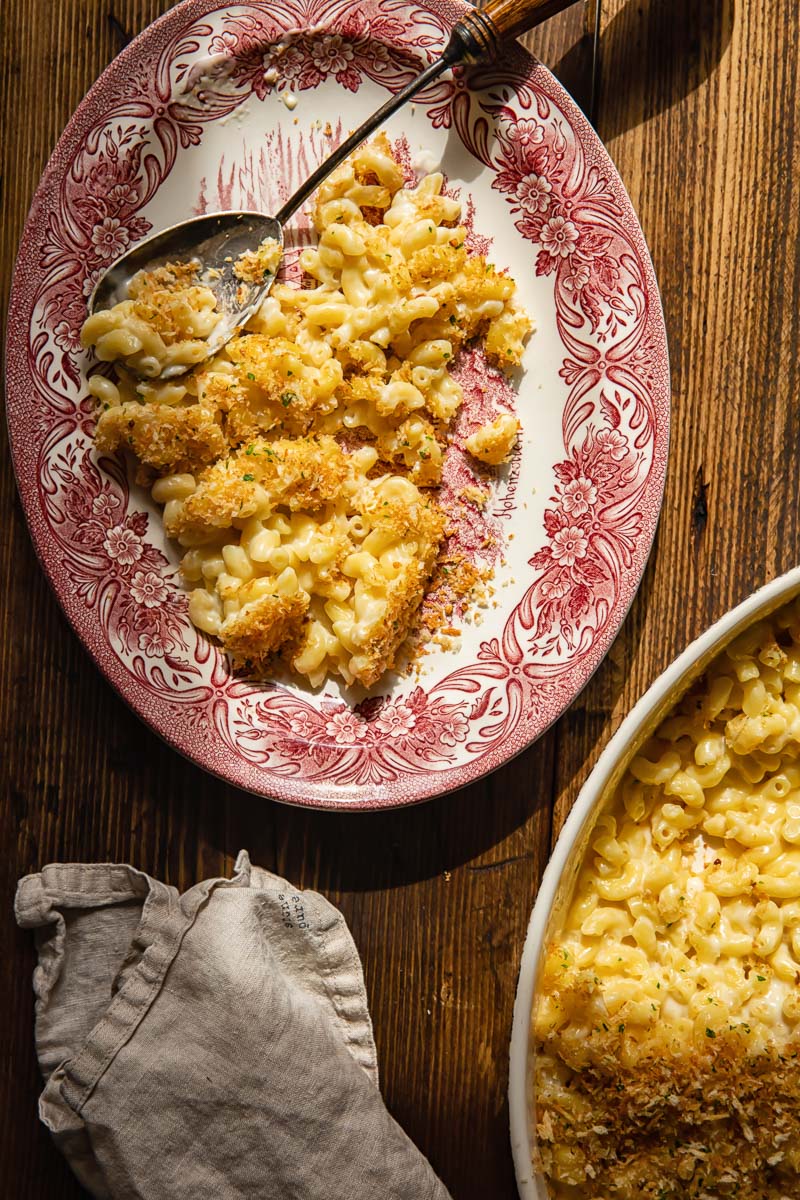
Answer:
(481, 33)
(511, 18)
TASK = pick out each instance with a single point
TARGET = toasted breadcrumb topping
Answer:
(298, 467)
(254, 266)
(168, 298)
(162, 436)
(713, 1121)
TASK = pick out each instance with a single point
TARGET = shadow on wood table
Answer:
(653, 53)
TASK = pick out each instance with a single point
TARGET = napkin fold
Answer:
(215, 1044)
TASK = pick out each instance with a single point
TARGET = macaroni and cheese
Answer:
(165, 322)
(667, 1027)
(291, 464)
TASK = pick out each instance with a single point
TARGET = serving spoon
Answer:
(216, 241)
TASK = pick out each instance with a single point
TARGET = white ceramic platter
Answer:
(193, 117)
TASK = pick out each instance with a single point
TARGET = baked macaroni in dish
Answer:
(299, 466)
(667, 1024)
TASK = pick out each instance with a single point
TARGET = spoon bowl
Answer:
(214, 242)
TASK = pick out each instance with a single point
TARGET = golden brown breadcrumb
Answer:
(255, 265)
(405, 596)
(718, 1121)
(167, 297)
(165, 437)
(423, 525)
(264, 627)
(302, 474)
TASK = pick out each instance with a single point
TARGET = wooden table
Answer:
(697, 103)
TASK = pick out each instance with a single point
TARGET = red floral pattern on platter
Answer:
(378, 740)
(114, 570)
(197, 65)
(267, 54)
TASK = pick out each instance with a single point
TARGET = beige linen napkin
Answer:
(210, 1045)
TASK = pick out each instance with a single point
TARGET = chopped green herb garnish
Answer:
(248, 478)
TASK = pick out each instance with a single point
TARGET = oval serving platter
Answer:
(230, 106)
(562, 870)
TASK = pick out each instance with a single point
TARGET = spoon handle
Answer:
(512, 18)
(478, 35)
(329, 164)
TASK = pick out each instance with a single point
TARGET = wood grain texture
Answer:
(698, 105)
(514, 18)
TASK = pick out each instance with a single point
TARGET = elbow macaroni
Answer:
(165, 322)
(318, 574)
(494, 442)
(668, 1022)
(292, 546)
